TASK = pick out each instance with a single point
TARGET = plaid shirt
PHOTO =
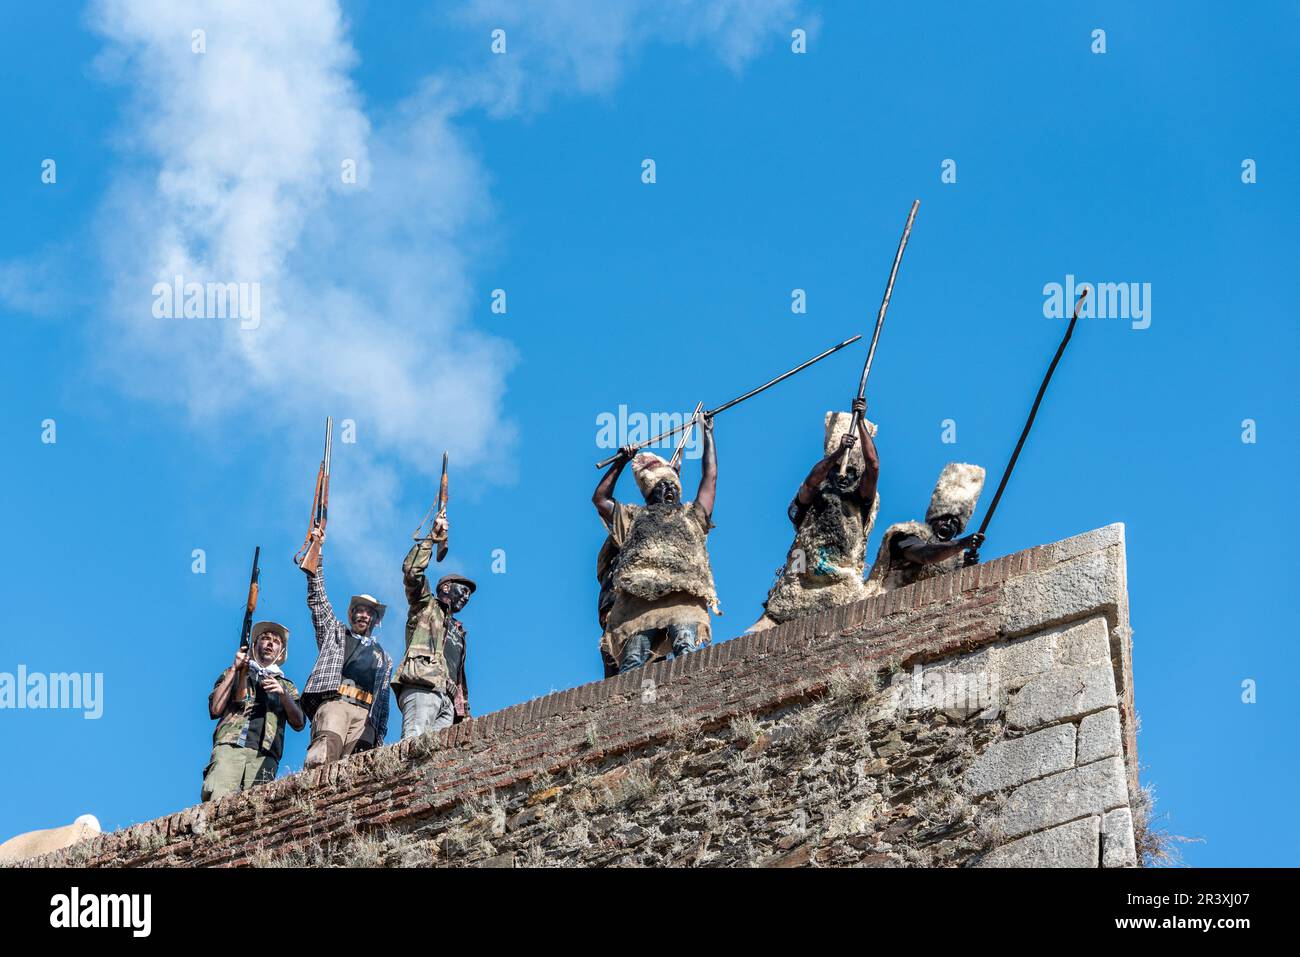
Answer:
(331, 639)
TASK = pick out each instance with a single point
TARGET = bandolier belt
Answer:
(349, 690)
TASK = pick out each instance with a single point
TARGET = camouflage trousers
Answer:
(234, 768)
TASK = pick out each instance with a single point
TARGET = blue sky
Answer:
(775, 171)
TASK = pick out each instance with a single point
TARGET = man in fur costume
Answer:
(914, 551)
(832, 515)
(606, 562)
(661, 582)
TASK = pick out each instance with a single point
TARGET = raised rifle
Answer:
(972, 554)
(308, 557)
(880, 322)
(245, 634)
(736, 401)
(436, 510)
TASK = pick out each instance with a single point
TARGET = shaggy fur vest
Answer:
(889, 572)
(665, 553)
(825, 564)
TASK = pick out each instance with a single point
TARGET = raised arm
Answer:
(871, 473)
(413, 571)
(603, 497)
(708, 490)
(822, 470)
(323, 621)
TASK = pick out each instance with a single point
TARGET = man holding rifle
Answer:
(832, 513)
(662, 582)
(430, 683)
(346, 695)
(251, 702)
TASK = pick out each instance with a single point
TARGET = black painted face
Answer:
(665, 493)
(846, 482)
(455, 594)
(945, 527)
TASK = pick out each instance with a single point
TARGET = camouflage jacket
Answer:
(428, 625)
(253, 720)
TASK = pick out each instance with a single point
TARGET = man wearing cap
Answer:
(914, 551)
(430, 684)
(251, 715)
(662, 582)
(346, 695)
(832, 514)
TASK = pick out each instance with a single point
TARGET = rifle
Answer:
(880, 322)
(736, 401)
(245, 635)
(438, 508)
(308, 557)
(972, 554)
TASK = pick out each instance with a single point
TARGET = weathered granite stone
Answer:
(1005, 764)
(1070, 845)
(1117, 845)
(1062, 694)
(1070, 590)
(1062, 797)
(1083, 643)
(1099, 736)
(1017, 661)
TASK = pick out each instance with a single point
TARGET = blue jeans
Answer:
(638, 648)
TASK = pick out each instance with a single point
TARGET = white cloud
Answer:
(231, 163)
(585, 45)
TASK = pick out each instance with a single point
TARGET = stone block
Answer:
(1022, 658)
(1070, 845)
(1062, 694)
(1062, 797)
(1006, 764)
(1069, 590)
(1083, 643)
(1118, 848)
(1099, 736)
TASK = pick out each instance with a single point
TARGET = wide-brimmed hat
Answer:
(448, 579)
(277, 629)
(370, 601)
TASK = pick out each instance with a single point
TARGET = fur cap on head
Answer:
(649, 470)
(956, 492)
(837, 425)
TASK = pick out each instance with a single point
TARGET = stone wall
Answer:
(982, 718)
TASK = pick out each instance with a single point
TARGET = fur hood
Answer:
(649, 470)
(956, 492)
(837, 425)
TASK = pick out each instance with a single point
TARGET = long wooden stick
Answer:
(972, 555)
(880, 321)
